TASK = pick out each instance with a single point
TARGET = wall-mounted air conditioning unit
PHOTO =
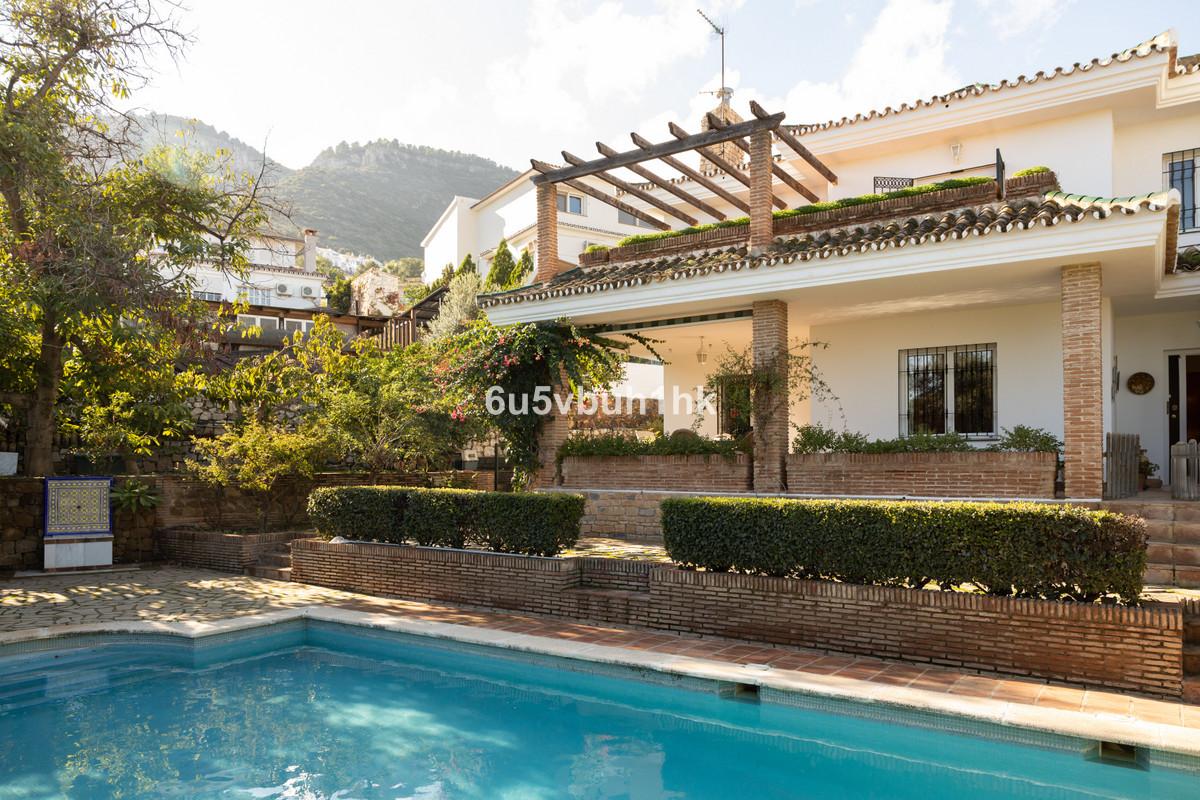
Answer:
(282, 289)
(308, 291)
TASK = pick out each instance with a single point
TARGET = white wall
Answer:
(230, 286)
(1142, 345)
(861, 364)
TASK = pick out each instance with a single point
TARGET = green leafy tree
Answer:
(404, 267)
(500, 274)
(522, 271)
(338, 294)
(84, 232)
(467, 265)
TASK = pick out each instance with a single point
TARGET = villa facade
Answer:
(1064, 298)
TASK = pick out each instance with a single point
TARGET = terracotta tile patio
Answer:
(174, 594)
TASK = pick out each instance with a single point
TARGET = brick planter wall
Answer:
(975, 474)
(226, 552)
(1139, 649)
(709, 473)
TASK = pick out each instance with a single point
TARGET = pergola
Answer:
(752, 137)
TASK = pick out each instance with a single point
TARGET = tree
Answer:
(500, 274)
(85, 232)
(522, 271)
(338, 294)
(467, 265)
(458, 307)
(405, 267)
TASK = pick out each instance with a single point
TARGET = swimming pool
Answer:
(320, 710)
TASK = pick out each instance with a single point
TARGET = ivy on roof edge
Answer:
(814, 208)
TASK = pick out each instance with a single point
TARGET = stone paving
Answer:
(169, 594)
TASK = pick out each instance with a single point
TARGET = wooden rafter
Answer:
(583, 188)
(629, 188)
(794, 143)
(665, 184)
(681, 145)
(696, 176)
(776, 169)
(730, 169)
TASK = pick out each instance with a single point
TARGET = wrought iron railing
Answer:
(948, 390)
(1180, 172)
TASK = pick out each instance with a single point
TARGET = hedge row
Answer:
(1025, 549)
(532, 524)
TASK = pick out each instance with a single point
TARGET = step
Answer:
(274, 560)
(274, 573)
(1191, 630)
(1191, 659)
(1191, 689)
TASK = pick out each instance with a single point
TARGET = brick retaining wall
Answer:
(1139, 649)
(698, 473)
(976, 474)
(226, 552)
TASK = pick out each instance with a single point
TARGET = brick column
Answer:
(554, 432)
(548, 262)
(1083, 382)
(762, 223)
(770, 410)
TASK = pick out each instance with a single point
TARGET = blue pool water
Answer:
(324, 711)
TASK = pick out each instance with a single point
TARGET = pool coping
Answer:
(1091, 726)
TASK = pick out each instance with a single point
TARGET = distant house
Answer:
(475, 227)
(376, 292)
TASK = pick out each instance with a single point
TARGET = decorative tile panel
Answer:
(76, 506)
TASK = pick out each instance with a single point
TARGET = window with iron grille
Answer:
(1179, 172)
(948, 390)
(733, 402)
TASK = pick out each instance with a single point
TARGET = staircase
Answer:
(1191, 651)
(275, 563)
(1173, 531)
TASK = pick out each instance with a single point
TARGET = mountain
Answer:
(382, 197)
(378, 198)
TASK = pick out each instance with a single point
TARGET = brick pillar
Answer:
(554, 432)
(762, 223)
(548, 262)
(1083, 382)
(770, 410)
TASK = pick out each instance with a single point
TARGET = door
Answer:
(1183, 399)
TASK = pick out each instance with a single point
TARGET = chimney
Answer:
(310, 249)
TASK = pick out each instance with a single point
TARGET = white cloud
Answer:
(1012, 18)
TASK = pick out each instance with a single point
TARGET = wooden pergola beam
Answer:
(696, 176)
(776, 170)
(665, 184)
(629, 188)
(722, 164)
(794, 143)
(583, 188)
(681, 145)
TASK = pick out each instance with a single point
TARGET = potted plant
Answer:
(1146, 471)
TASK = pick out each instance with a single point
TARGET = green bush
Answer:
(679, 443)
(532, 524)
(1021, 173)
(1057, 552)
(1024, 439)
(813, 208)
(817, 438)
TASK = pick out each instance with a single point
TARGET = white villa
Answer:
(474, 227)
(1064, 299)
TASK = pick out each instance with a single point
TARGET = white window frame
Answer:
(633, 221)
(257, 295)
(565, 205)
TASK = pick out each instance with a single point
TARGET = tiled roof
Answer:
(1159, 44)
(1051, 209)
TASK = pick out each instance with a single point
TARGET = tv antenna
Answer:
(724, 93)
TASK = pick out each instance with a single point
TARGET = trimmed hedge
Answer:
(531, 524)
(1056, 552)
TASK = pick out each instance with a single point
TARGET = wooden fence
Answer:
(1122, 451)
(1185, 470)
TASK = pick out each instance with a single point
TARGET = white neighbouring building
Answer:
(968, 310)
(474, 227)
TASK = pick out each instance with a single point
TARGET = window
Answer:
(570, 203)
(1179, 172)
(948, 390)
(249, 321)
(625, 218)
(213, 296)
(256, 295)
(733, 400)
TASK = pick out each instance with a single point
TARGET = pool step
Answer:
(275, 564)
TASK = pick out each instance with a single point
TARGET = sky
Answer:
(514, 80)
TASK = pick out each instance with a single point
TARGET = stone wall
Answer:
(707, 473)
(1139, 649)
(974, 474)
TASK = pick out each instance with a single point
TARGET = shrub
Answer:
(817, 438)
(813, 208)
(1024, 439)
(531, 524)
(1058, 552)
(683, 442)
(1021, 173)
